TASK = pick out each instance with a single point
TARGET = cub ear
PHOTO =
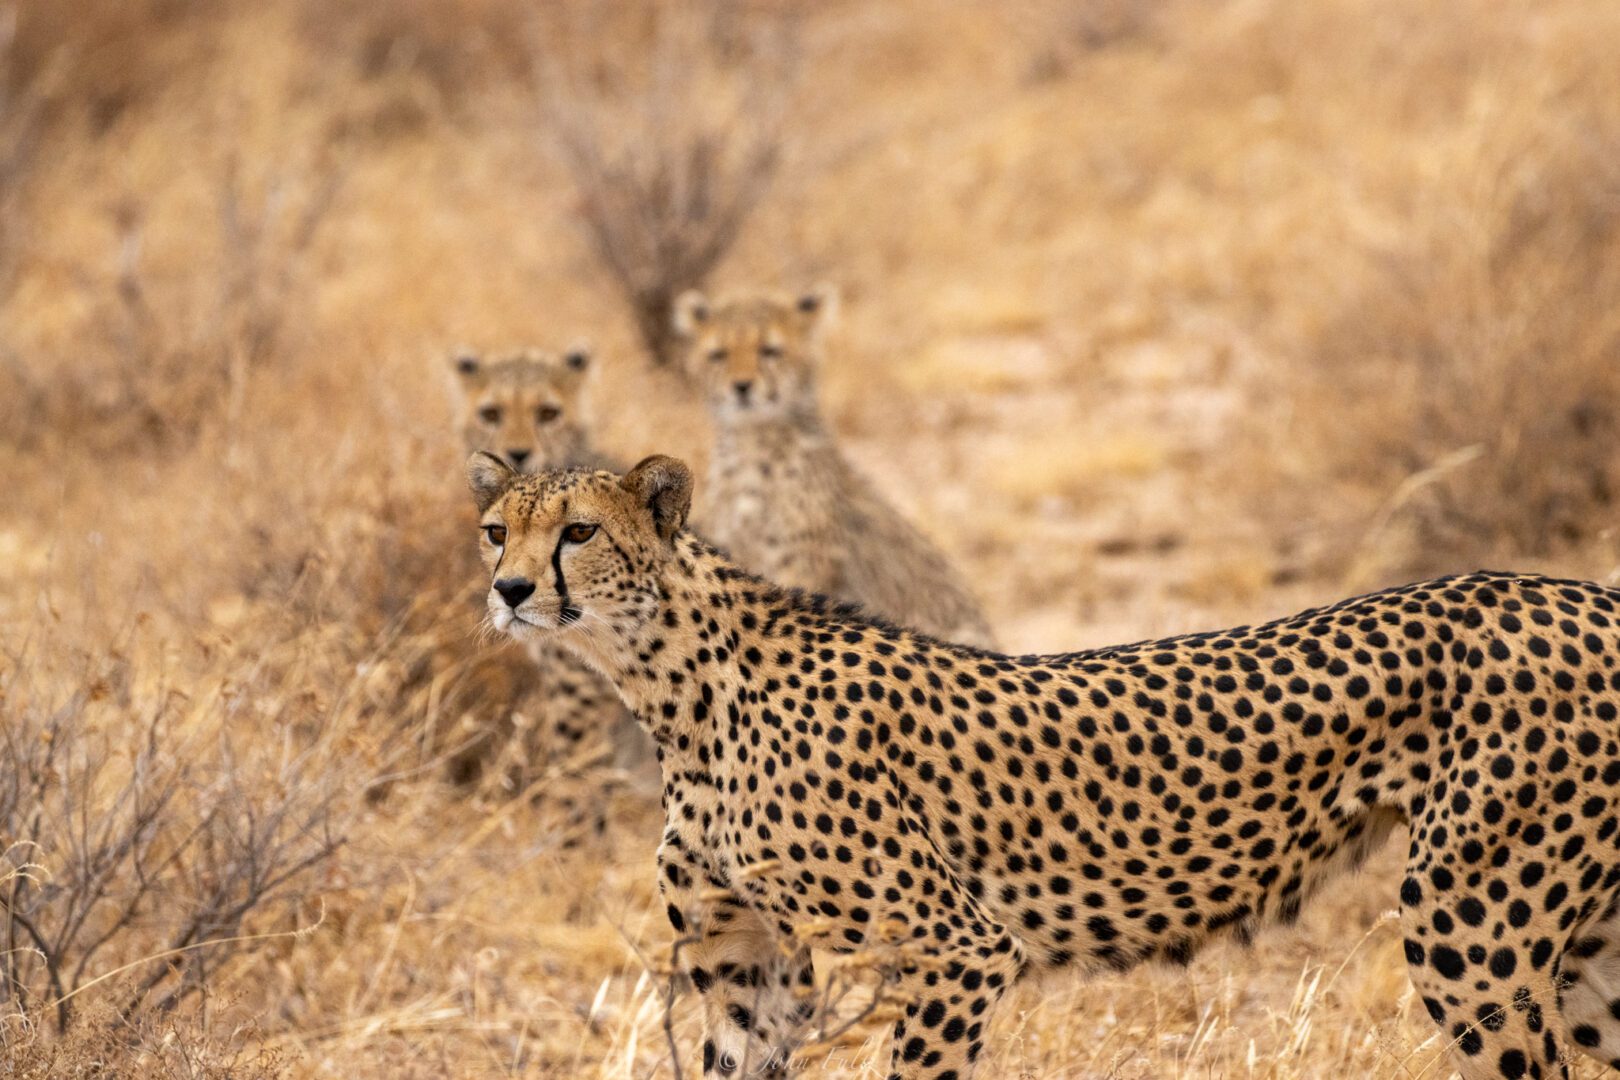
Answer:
(690, 312)
(488, 477)
(818, 305)
(664, 486)
(466, 363)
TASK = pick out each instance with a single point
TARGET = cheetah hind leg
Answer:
(1590, 1001)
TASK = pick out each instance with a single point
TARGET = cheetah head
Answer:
(525, 406)
(755, 356)
(576, 551)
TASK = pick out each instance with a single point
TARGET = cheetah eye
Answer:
(770, 352)
(496, 534)
(545, 414)
(490, 414)
(717, 355)
(578, 532)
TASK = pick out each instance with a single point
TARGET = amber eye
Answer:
(717, 355)
(496, 534)
(490, 414)
(771, 352)
(578, 532)
(545, 414)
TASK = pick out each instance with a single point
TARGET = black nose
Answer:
(742, 387)
(518, 457)
(514, 590)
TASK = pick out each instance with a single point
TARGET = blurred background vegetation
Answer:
(1158, 314)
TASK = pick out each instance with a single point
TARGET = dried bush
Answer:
(1474, 371)
(670, 120)
(457, 47)
(166, 355)
(187, 1044)
(1059, 34)
(150, 838)
(102, 59)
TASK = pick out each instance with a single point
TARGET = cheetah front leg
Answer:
(949, 999)
(756, 988)
(1487, 966)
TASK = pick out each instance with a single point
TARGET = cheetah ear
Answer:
(818, 305)
(664, 486)
(466, 363)
(690, 312)
(488, 477)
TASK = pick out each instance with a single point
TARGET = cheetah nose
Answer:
(514, 590)
(742, 386)
(518, 457)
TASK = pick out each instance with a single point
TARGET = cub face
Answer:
(526, 407)
(755, 356)
(575, 550)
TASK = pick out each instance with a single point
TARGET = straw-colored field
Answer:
(1158, 316)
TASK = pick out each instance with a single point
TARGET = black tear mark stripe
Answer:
(568, 612)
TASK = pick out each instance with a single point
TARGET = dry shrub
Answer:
(1062, 33)
(456, 46)
(186, 1044)
(166, 354)
(1475, 371)
(670, 120)
(98, 59)
(153, 835)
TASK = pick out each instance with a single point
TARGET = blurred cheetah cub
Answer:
(783, 500)
(528, 407)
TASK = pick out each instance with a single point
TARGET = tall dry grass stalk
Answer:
(1488, 331)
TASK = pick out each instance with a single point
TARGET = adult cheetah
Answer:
(1092, 810)
(782, 499)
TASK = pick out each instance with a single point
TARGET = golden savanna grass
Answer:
(1158, 315)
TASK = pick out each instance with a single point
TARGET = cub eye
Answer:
(496, 534)
(490, 414)
(771, 352)
(547, 413)
(717, 355)
(578, 532)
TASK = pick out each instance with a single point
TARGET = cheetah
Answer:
(528, 406)
(1010, 815)
(784, 501)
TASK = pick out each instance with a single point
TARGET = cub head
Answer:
(526, 407)
(755, 356)
(575, 550)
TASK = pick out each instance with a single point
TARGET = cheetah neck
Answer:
(675, 663)
(751, 438)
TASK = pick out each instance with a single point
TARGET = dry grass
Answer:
(1160, 315)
